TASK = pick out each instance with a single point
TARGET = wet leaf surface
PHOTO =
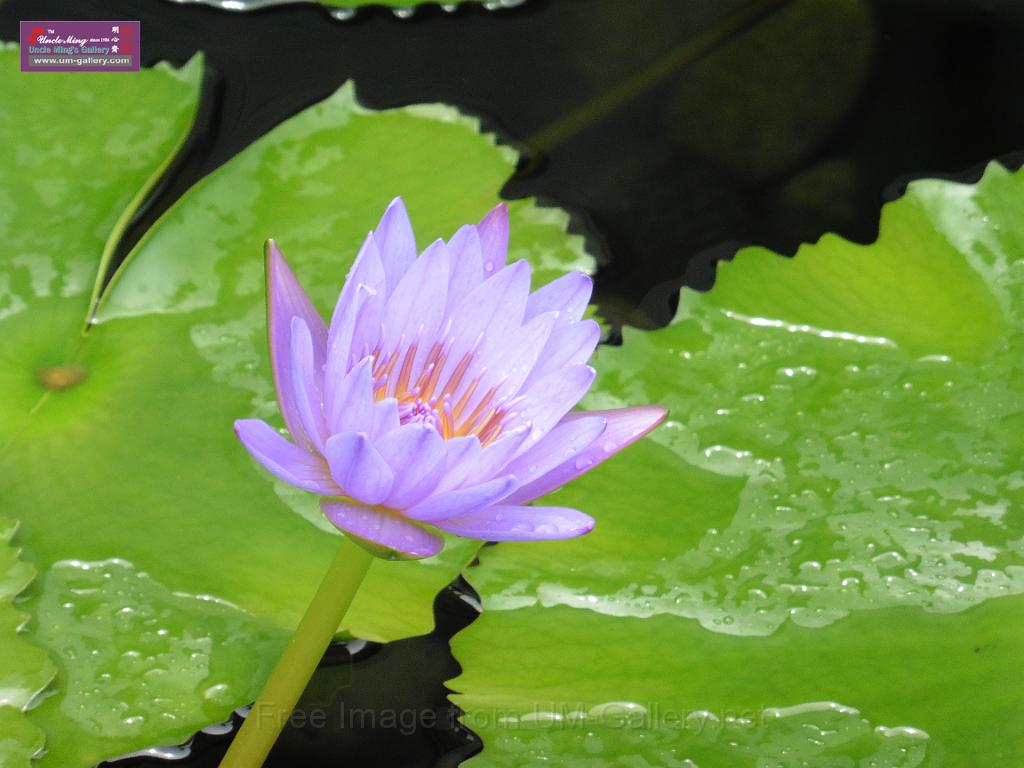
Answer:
(26, 669)
(830, 523)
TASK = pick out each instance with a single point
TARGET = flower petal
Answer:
(549, 399)
(460, 463)
(505, 363)
(358, 468)
(415, 308)
(464, 501)
(513, 523)
(493, 232)
(415, 453)
(568, 295)
(496, 305)
(284, 459)
(624, 426)
(495, 456)
(466, 269)
(352, 403)
(559, 446)
(567, 346)
(367, 269)
(467, 248)
(385, 417)
(306, 388)
(341, 352)
(382, 528)
(365, 279)
(491, 311)
(396, 241)
(286, 300)
(366, 336)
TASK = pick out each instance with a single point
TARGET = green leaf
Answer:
(831, 520)
(26, 670)
(140, 663)
(118, 451)
(19, 739)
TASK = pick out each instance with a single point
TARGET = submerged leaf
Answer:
(833, 513)
(770, 95)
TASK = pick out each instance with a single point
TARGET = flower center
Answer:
(425, 398)
(419, 412)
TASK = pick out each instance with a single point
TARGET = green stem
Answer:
(289, 678)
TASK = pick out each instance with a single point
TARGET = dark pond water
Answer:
(673, 131)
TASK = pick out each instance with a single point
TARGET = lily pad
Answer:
(140, 664)
(19, 739)
(26, 669)
(118, 450)
(831, 523)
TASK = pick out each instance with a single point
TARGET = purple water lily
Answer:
(440, 394)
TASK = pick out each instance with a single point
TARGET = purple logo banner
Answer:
(80, 46)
